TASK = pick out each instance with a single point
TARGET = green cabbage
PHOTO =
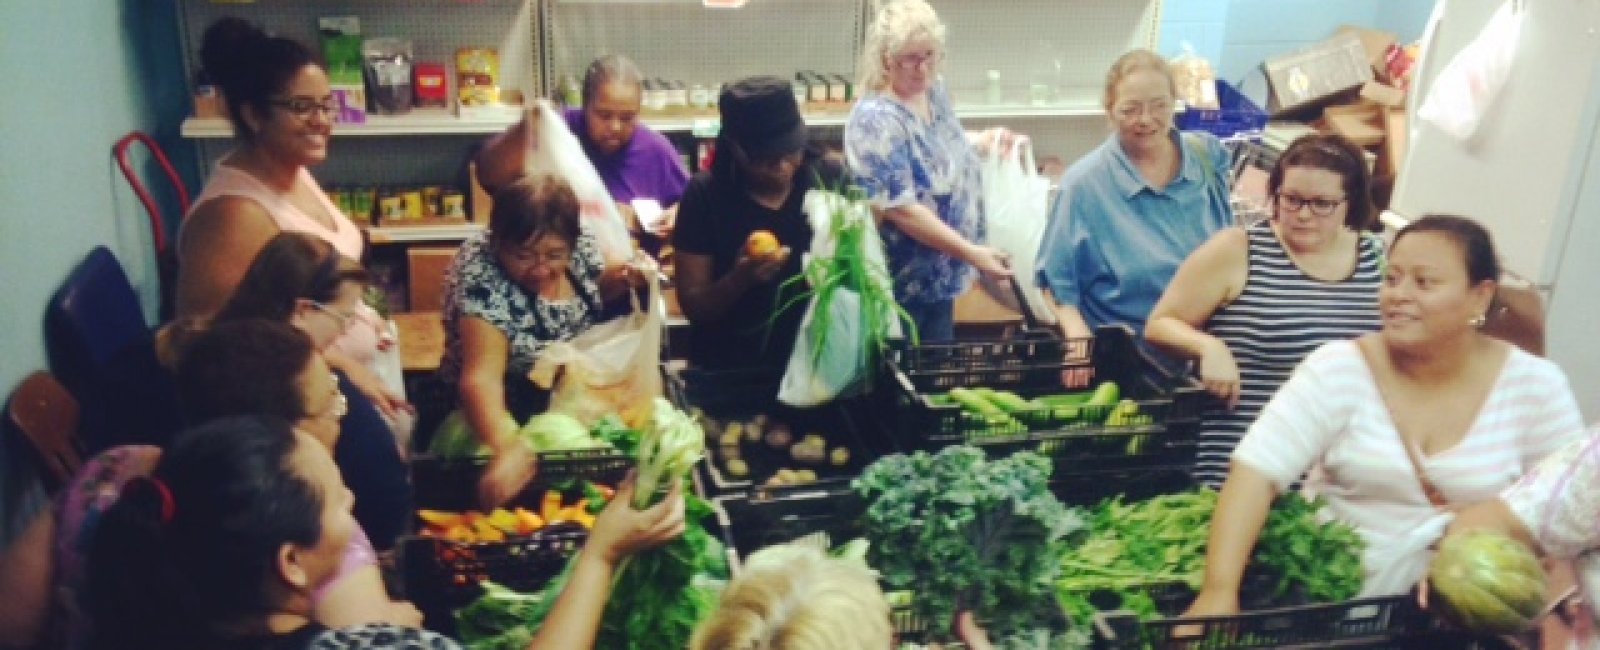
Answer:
(551, 431)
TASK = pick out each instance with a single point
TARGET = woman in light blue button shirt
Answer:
(1130, 211)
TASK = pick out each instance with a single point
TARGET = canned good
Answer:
(411, 200)
(454, 205)
(391, 207)
(430, 200)
(362, 201)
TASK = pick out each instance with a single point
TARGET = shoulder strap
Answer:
(1429, 489)
(1197, 148)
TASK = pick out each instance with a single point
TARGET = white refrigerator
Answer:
(1531, 171)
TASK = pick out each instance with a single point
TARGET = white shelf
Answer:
(443, 123)
(420, 122)
(409, 234)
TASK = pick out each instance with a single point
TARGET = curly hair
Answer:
(897, 22)
(800, 599)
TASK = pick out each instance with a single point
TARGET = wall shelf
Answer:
(422, 233)
(441, 123)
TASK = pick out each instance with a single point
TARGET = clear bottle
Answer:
(992, 90)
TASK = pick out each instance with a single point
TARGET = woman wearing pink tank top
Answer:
(281, 108)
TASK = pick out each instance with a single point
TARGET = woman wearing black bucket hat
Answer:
(757, 183)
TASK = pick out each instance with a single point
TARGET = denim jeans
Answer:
(935, 320)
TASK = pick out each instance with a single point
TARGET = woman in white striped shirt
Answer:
(1397, 427)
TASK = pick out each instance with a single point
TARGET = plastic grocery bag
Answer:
(556, 151)
(613, 367)
(1395, 565)
(822, 370)
(1016, 202)
(1469, 84)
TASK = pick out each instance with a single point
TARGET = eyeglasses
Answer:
(520, 257)
(345, 318)
(302, 107)
(1128, 111)
(1319, 207)
(914, 61)
(339, 406)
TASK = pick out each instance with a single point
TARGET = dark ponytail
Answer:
(187, 557)
(250, 66)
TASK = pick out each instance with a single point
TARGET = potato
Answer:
(752, 432)
(738, 468)
(735, 429)
(839, 457)
(815, 439)
(807, 453)
(803, 476)
(760, 420)
(729, 439)
(778, 436)
(730, 452)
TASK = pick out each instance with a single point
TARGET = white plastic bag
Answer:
(1016, 201)
(1396, 565)
(839, 369)
(613, 367)
(1469, 84)
(556, 151)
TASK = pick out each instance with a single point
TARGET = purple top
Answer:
(648, 167)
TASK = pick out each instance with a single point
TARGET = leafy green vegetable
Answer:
(486, 622)
(552, 431)
(658, 596)
(967, 533)
(1321, 556)
(1135, 548)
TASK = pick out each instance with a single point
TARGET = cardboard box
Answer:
(425, 269)
(1377, 44)
(1315, 76)
(1395, 125)
(1383, 94)
(1362, 122)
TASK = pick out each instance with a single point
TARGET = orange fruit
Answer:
(762, 243)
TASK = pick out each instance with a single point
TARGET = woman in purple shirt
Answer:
(635, 162)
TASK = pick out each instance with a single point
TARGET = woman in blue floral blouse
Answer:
(534, 278)
(919, 167)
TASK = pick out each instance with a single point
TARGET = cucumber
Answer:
(1123, 414)
(1106, 394)
(1065, 399)
(971, 401)
(1008, 401)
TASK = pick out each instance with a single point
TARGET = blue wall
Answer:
(82, 73)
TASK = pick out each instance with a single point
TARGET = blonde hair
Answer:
(897, 22)
(805, 601)
(1131, 62)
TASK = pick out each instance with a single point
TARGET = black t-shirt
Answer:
(716, 220)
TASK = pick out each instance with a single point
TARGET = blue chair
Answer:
(104, 353)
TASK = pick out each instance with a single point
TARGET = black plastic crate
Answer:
(439, 575)
(1082, 488)
(441, 484)
(824, 516)
(740, 397)
(1165, 397)
(1395, 622)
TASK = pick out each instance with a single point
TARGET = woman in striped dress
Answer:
(1252, 302)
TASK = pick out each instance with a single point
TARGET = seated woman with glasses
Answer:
(1252, 302)
(303, 281)
(1130, 211)
(757, 183)
(534, 278)
(282, 112)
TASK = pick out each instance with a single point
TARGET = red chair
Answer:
(166, 257)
